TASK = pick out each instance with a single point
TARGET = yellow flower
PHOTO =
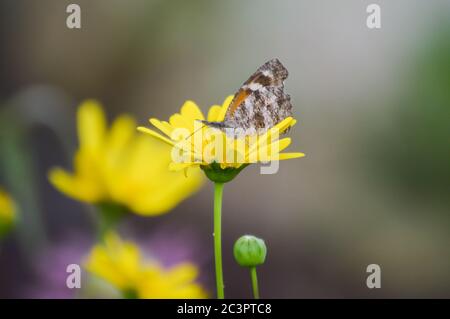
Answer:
(121, 264)
(197, 143)
(116, 165)
(7, 212)
(221, 155)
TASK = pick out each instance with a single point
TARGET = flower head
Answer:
(115, 165)
(7, 212)
(195, 144)
(122, 265)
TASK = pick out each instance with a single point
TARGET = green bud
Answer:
(250, 251)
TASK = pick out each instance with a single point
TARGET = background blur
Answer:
(373, 108)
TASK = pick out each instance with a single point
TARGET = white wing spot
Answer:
(267, 73)
(254, 86)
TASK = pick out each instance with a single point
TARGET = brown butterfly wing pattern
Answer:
(260, 103)
(270, 74)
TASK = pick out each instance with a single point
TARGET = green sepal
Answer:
(221, 175)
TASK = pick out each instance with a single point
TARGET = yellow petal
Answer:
(192, 111)
(268, 150)
(272, 133)
(74, 187)
(183, 273)
(115, 261)
(7, 208)
(283, 125)
(91, 125)
(163, 126)
(214, 113)
(154, 134)
(180, 122)
(161, 199)
(122, 131)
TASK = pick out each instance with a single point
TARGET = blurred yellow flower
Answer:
(115, 165)
(186, 134)
(121, 264)
(7, 212)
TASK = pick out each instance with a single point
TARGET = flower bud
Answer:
(250, 251)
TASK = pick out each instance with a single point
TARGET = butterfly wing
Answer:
(271, 73)
(261, 110)
(261, 102)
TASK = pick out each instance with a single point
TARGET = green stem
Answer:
(130, 294)
(254, 282)
(109, 216)
(218, 194)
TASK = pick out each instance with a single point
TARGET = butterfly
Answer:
(259, 104)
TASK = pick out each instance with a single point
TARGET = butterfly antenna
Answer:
(196, 130)
(193, 133)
